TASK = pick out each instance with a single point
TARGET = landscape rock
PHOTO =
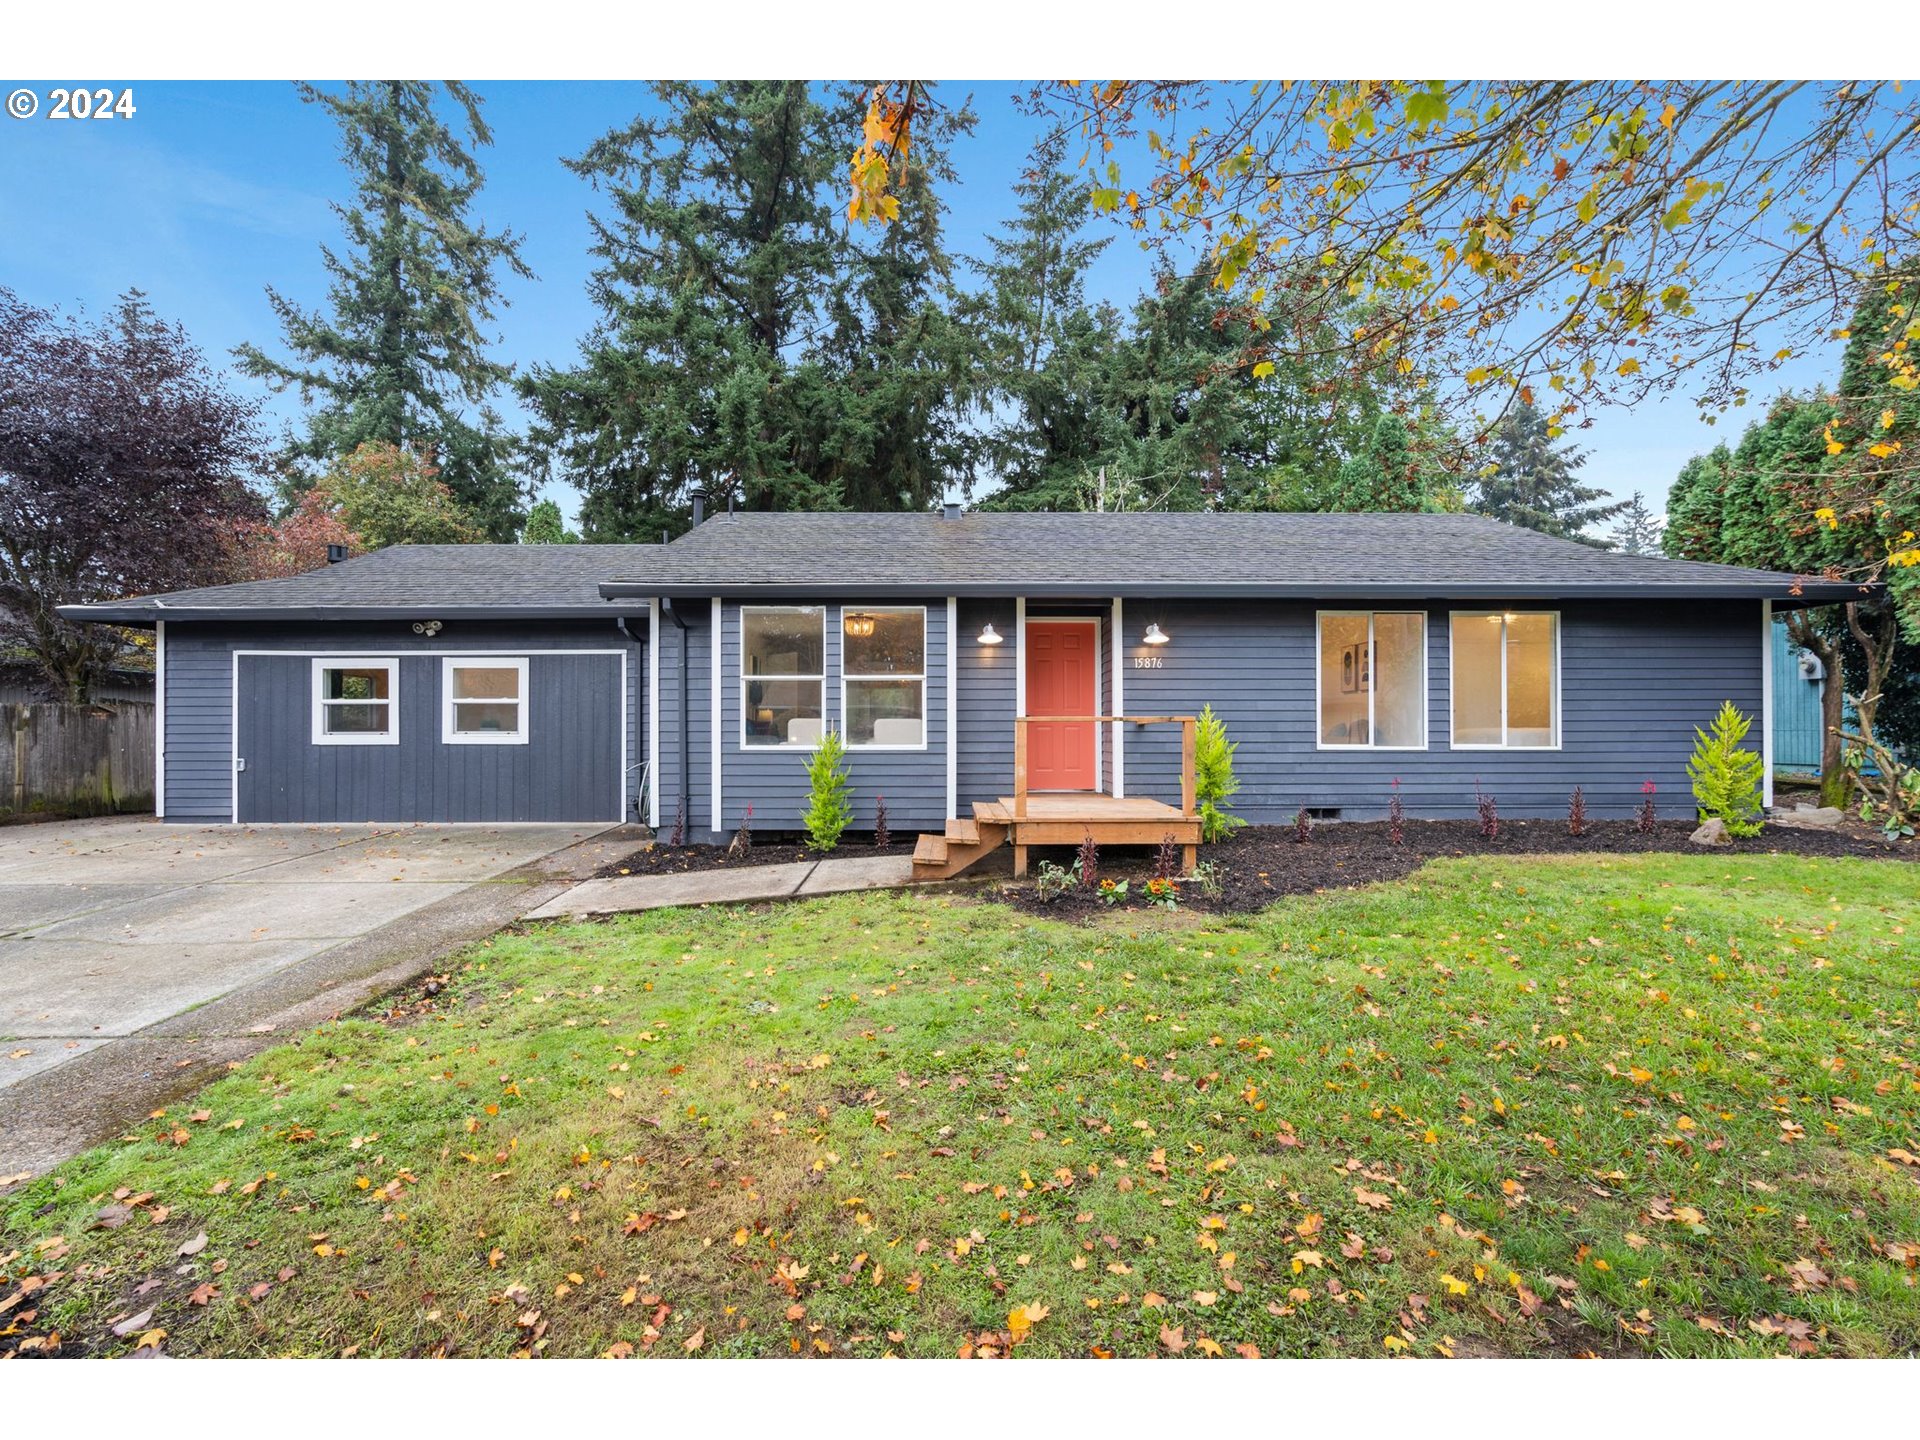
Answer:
(1809, 817)
(1714, 832)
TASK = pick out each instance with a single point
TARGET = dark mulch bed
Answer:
(1263, 862)
(661, 858)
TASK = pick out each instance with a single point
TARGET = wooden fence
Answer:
(75, 759)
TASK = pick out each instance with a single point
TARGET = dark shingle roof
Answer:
(1159, 552)
(428, 580)
(1150, 553)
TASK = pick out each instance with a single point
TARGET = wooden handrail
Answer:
(1187, 724)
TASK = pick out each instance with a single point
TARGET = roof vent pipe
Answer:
(952, 510)
(335, 554)
(699, 507)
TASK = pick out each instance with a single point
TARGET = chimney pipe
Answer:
(952, 510)
(699, 507)
(335, 554)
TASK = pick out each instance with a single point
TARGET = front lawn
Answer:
(1661, 1104)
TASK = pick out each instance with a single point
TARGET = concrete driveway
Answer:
(118, 930)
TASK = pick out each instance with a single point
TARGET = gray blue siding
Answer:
(572, 707)
(1636, 678)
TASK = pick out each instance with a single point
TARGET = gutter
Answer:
(1787, 594)
(146, 612)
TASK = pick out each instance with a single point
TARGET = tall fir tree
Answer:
(748, 343)
(1531, 482)
(1045, 353)
(1637, 531)
(399, 353)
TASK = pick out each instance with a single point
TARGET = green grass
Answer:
(1655, 1104)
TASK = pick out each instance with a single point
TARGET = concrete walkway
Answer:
(626, 893)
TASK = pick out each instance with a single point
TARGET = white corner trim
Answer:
(620, 770)
(1766, 703)
(1119, 699)
(653, 713)
(713, 717)
(159, 719)
(1020, 655)
(953, 705)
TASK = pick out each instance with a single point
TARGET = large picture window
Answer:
(483, 700)
(356, 700)
(883, 678)
(1506, 680)
(783, 668)
(1373, 679)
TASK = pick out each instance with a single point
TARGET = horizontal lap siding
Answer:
(199, 697)
(984, 714)
(696, 642)
(774, 781)
(1635, 679)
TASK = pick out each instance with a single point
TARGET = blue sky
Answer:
(215, 190)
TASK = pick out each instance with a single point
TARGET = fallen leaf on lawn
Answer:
(136, 1322)
(695, 1340)
(1174, 1338)
(194, 1246)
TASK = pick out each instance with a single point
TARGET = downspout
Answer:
(686, 740)
(620, 623)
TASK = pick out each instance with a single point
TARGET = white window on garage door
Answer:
(356, 700)
(483, 700)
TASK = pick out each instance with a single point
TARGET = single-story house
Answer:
(1349, 655)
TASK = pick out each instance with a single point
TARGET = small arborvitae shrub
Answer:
(1166, 860)
(1488, 811)
(1649, 814)
(1089, 862)
(1396, 816)
(1726, 778)
(1302, 826)
(882, 836)
(1577, 813)
(679, 835)
(829, 811)
(1214, 782)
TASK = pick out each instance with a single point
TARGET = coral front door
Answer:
(1062, 679)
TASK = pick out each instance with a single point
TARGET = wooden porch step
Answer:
(991, 812)
(941, 857)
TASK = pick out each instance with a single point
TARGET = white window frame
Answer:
(741, 664)
(845, 675)
(451, 736)
(1559, 724)
(1426, 711)
(324, 663)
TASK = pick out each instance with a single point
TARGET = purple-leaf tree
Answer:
(124, 467)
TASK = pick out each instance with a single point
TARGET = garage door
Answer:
(477, 738)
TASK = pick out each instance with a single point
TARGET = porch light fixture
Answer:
(1155, 635)
(991, 636)
(859, 625)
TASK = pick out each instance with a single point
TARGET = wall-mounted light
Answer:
(428, 628)
(1155, 635)
(991, 636)
(859, 625)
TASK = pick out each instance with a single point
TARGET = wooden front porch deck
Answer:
(1027, 818)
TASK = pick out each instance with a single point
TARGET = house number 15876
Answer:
(1146, 662)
